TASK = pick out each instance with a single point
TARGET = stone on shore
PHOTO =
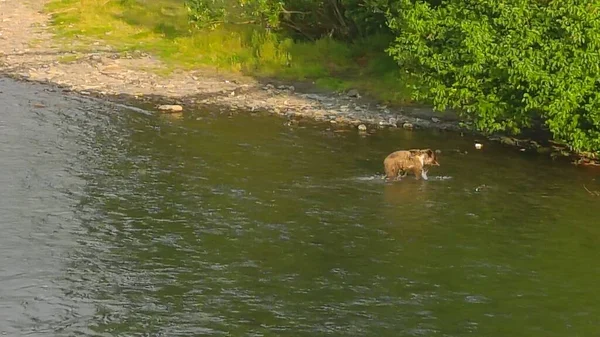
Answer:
(408, 126)
(353, 93)
(170, 107)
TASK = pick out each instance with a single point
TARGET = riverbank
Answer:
(94, 67)
(98, 69)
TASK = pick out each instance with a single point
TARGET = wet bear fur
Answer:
(397, 164)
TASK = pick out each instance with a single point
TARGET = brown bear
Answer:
(409, 160)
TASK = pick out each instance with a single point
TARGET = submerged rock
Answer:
(543, 150)
(508, 141)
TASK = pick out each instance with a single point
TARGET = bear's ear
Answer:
(429, 152)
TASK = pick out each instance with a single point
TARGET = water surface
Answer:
(120, 223)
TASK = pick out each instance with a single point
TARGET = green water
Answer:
(119, 223)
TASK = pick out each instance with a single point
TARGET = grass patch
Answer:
(34, 42)
(68, 58)
(161, 27)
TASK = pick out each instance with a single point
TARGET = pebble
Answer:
(170, 107)
(362, 127)
(353, 93)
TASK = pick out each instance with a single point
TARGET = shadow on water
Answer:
(208, 224)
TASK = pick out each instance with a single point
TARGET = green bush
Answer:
(506, 63)
(302, 19)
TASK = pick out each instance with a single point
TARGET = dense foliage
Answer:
(503, 64)
(307, 19)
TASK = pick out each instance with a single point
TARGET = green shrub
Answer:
(302, 19)
(505, 63)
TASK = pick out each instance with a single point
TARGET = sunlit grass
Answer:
(161, 27)
(68, 58)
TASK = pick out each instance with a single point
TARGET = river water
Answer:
(119, 223)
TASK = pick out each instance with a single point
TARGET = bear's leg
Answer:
(390, 175)
(418, 173)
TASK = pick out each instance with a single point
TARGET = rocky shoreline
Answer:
(114, 75)
(91, 68)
